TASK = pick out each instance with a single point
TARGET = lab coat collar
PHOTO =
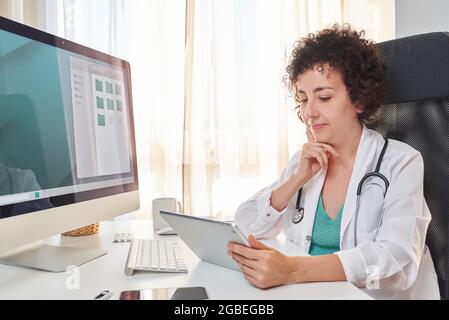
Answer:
(312, 191)
(365, 161)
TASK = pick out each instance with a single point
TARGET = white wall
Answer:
(418, 16)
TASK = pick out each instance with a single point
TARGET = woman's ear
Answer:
(359, 109)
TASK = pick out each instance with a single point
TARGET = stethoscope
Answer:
(299, 211)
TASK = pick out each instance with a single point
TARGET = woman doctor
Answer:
(375, 240)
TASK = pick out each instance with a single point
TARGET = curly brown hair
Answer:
(359, 60)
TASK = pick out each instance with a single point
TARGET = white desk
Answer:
(107, 272)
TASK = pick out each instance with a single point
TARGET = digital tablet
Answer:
(207, 238)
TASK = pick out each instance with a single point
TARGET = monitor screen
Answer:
(66, 129)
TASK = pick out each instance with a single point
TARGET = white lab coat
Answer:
(391, 260)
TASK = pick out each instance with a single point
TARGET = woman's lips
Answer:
(317, 126)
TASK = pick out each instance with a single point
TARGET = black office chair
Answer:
(417, 113)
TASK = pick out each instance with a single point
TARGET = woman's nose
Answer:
(311, 111)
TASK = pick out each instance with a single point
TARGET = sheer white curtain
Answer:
(29, 12)
(242, 128)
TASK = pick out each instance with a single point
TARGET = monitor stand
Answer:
(51, 258)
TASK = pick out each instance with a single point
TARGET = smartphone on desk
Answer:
(187, 293)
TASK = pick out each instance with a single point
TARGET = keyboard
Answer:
(154, 256)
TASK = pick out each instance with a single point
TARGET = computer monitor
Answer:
(67, 145)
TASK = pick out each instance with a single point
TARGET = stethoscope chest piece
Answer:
(298, 215)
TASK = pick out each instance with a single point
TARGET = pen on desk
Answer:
(104, 295)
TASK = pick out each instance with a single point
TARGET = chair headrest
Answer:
(417, 67)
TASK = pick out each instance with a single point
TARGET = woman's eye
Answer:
(324, 98)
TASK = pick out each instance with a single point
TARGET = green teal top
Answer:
(326, 231)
